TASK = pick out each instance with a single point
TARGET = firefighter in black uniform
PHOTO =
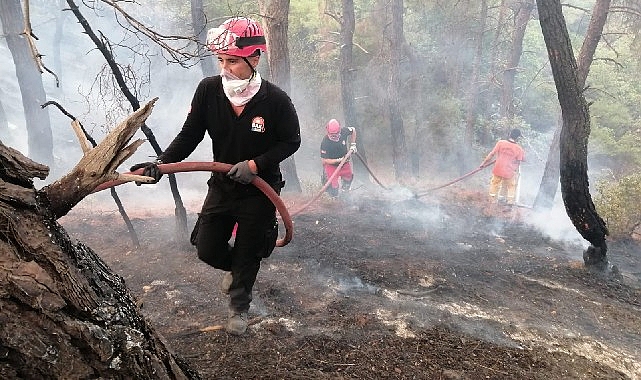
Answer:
(253, 125)
(333, 148)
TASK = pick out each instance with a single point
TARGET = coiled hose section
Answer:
(196, 166)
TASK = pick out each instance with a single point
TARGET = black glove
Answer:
(151, 169)
(241, 173)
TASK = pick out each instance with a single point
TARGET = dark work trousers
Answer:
(256, 236)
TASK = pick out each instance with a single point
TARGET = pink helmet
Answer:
(238, 36)
(333, 130)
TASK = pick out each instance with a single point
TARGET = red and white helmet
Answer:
(333, 130)
(238, 36)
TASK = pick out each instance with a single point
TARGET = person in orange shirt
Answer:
(505, 173)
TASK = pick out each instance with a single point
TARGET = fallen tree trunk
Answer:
(63, 313)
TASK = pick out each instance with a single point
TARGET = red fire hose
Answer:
(329, 180)
(371, 173)
(220, 167)
(418, 195)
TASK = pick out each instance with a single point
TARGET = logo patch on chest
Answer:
(258, 124)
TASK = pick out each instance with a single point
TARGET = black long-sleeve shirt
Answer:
(267, 131)
(335, 149)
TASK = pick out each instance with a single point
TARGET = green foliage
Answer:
(621, 155)
(615, 113)
(619, 204)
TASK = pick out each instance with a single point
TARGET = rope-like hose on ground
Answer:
(370, 171)
(329, 180)
(220, 167)
(424, 193)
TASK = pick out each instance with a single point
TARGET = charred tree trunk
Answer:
(40, 137)
(276, 22)
(574, 133)
(63, 313)
(549, 182)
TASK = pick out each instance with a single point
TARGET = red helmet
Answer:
(238, 36)
(333, 130)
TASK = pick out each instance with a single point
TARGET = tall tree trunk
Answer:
(498, 35)
(346, 66)
(509, 73)
(416, 148)
(276, 25)
(495, 60)
(473, 92)
(574, 133)
(200, 31)
(40, 137)
(399, 147)
(550, 180)
(63, 313)
(592, 38)
(348, 75)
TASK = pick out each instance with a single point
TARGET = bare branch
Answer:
(361, 48)
(609, 60)
(97, 165)
(576, 7)
(180, 55)
(73, 118)
(28, 33)
(624, 9)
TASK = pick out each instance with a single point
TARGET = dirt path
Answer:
(413, 289)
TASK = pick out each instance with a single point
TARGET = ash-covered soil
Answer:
(374, 288)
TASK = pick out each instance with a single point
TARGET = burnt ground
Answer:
(373, 288)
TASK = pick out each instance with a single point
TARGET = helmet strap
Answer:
(251, 67)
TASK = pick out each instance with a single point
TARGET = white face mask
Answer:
(240, 91)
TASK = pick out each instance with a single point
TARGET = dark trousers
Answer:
(255, 239)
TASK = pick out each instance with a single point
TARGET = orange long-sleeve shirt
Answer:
(509, 155)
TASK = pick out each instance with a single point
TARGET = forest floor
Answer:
(373, 288)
